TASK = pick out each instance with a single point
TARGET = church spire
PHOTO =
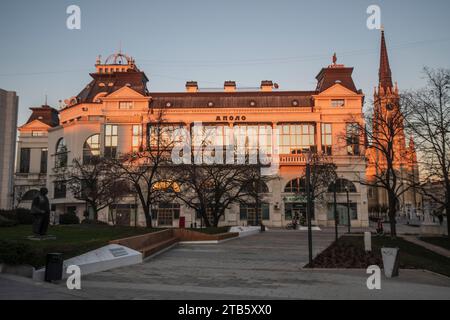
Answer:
(385, 75)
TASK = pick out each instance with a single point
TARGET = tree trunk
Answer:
(148, 217)
(447, 213)
(392, 214)
(204, 217)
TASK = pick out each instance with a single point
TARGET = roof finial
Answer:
(334, 58)
(45, 100)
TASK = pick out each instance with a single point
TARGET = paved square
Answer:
(263, 266)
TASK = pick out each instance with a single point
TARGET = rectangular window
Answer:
(111, 139)
(353, 139)
(247, 212)
(342, 213)
(24, 160)
(136, 137)
(297, 138)
(337, 102)
(125, 105)
(327, 139)
(59, 189)
(37, 133)
(44, 154)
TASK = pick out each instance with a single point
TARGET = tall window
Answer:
(91, 148)
(125, 105)
(59, 190)
(297, 138)
(61, 154)
(327, 138)
(352, 139)
(248, 212)
(111, 141)
(341, 210)
(162, 134)
(44, 154)
(24, 160)
(136, 138)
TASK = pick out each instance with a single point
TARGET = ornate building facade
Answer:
(113, 115)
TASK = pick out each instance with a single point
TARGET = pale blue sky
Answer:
(211, 41)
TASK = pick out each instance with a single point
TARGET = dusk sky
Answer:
(211, 41)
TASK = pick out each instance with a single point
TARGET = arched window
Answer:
(30, 195)
(91, 148)
(298, 185)
(61, 154)
(342, 185)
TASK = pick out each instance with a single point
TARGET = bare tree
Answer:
(429, 120)
(323, 173)
(211, 189)
(147, 169)
(384, 138)
(94, 183)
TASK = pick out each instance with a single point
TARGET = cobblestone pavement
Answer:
(264, 266)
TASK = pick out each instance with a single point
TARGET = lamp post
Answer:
(335, 212)
(348, 209)
(308, 206)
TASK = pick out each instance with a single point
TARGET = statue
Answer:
(334, 58)
(40, 209)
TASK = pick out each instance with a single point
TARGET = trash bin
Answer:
(263, 228)
(53, 267)
(390, 261)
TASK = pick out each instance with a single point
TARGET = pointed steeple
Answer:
(385, 75)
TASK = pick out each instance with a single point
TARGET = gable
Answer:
(34, 125)
(124, 93)
(337, 90)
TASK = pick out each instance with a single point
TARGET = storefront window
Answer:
(297, 138)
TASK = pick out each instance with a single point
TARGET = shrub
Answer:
(20, 215)
(69, 218)
(5, 222)
(16, 253)
(24, 216)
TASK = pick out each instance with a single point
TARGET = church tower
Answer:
(387, 103)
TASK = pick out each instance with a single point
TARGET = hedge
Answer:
(69, 218)
(20, 215)
(5, 222)
(16, 253)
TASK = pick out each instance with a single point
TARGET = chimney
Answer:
(191, 86)
(229, 86)
(266, 85)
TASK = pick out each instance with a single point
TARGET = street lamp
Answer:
(348, 209)
(308, 205)
(335, 212)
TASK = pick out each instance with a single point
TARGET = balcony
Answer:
(293, 159)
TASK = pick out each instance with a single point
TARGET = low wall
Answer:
(185, 235)
(145, 240)
(190, 235)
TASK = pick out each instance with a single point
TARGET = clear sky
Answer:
(215, 40)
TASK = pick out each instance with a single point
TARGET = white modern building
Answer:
(9, 102)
